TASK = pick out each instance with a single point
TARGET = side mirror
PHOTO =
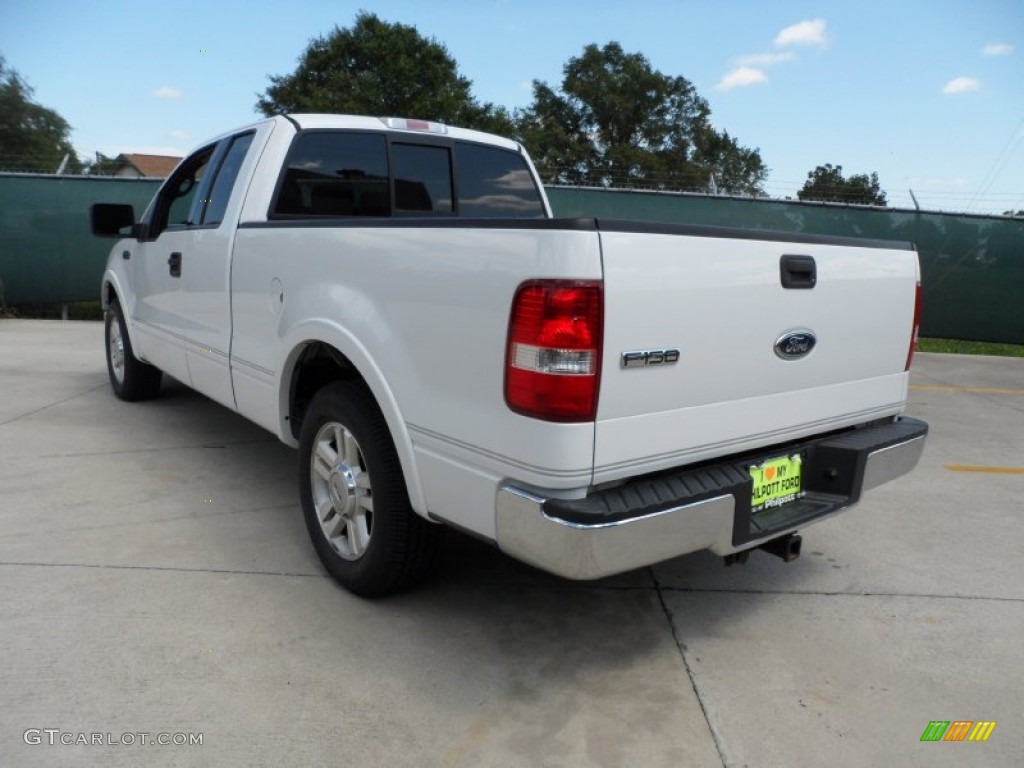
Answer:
(108, 219)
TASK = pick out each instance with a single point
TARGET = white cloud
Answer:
(962, 85)
(741, 77)
(168, 92)
(764, 59)
(810, 32)
(748, 69)
(997, 49)
(178, 133)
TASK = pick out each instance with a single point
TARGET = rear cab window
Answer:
(423, 179)
(495, 182)
(344, 173)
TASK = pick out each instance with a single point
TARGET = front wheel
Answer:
(354, 497)
(130, 378)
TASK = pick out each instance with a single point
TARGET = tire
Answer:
(130, 378)
(354, 497)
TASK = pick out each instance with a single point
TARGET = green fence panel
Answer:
(972, 267)
(47, 253)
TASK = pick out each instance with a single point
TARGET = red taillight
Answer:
(407, 124)
(917, 326)
(553, 359)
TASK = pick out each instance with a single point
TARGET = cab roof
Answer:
(399, 124)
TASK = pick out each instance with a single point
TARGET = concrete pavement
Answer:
(157, 577)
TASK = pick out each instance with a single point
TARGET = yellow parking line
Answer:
(973, 390)
(995, 470)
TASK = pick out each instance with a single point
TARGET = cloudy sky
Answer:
(928, 93)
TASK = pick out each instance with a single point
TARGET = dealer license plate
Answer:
(776, 482)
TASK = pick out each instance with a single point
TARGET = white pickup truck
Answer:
(393, 298)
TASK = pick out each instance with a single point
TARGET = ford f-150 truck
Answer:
(394, 298)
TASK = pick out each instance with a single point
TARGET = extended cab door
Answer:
(183, 308)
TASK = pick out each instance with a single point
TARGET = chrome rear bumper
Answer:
(651, 520)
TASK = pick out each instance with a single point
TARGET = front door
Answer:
(183, 311)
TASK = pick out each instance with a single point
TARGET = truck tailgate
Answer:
(718, 298)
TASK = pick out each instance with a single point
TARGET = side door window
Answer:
(216, 201)
(181, 200)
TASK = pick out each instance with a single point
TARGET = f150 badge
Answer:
(793, 345)
(642, 358)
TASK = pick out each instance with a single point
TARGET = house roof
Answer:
(159, 166)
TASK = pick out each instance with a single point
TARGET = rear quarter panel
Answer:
(423, 312)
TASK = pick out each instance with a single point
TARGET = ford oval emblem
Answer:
(793, 345)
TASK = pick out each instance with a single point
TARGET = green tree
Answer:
(1014, 214)
(32, 137)
(827, 183)
(384, 69)
(617, 121)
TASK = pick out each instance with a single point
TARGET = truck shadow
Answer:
(488, 614)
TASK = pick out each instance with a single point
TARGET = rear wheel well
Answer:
(319, 364)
